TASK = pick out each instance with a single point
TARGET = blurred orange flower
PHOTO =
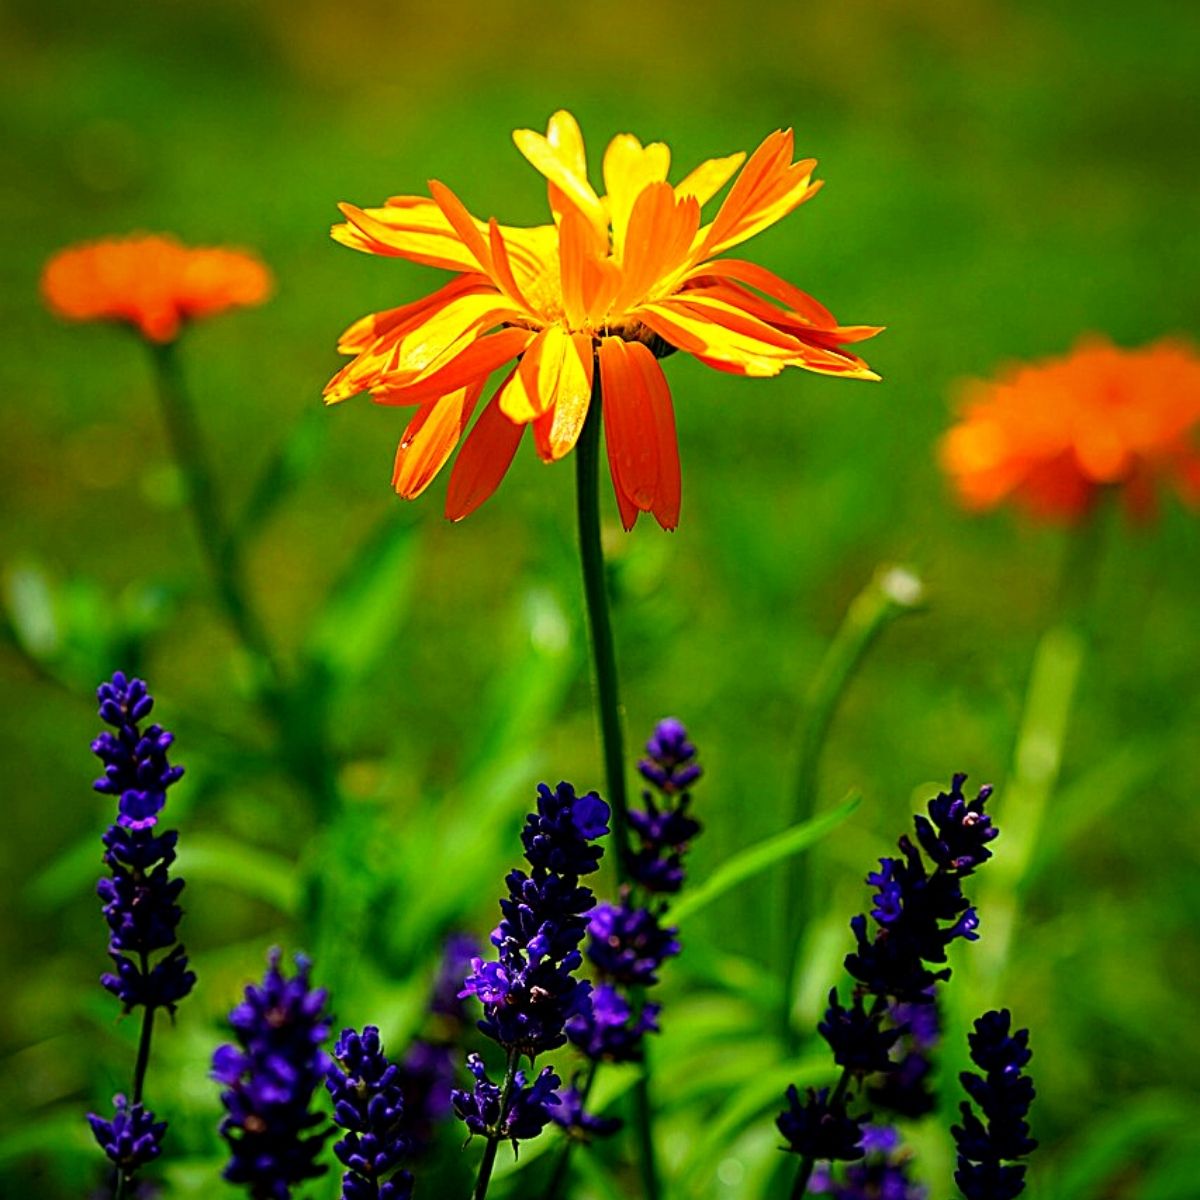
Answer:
(1053, 434)
(153, 283)
(614, 284)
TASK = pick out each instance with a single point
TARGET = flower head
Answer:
(1053, 435)
(153, 283)
(665, 828)
(858, 1041)
(576, 1122)
(819, 1128)
(599, 295)
(368, 1103)
(628, 944)
(987, 1147)
(530, 991)
(132, 1138)
(904, 1087)
(881, 1174)
(141, 898)
(611, 1031)
(528, 1111)
(270, 1077)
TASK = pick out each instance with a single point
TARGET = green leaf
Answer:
(368, 603)
(244, 869)
(757, 858)
(290, 463)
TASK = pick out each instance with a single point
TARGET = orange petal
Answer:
(462, 223)
(418, 232)
(630, 167)
(668, 490)
(658, 240)
(485, 457)
(556, 431)
(629, 424)
(478, 358)
(430, 439)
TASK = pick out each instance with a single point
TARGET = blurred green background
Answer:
(1001, 177)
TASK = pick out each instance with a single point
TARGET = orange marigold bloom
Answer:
(153, 283)
(1053, 434)
(616, 282)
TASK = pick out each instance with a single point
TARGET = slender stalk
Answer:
(493, 1142)
(220, 549)
(608, 703)
(139, 1074)
(604, 660)
(891, 593)
(559, 1175)
(298, 718)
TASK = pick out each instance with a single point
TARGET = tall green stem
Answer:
(298, 718)
(212, 532)
(139, 1074)
(604, 661)
(604, 658)
(891, 593)
(493, 1142)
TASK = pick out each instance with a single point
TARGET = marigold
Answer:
(1054, 434)
(153, 283)
(615, 283)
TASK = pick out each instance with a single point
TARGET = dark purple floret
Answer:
(904, 1088)
(577, 1122)
(368, 1104)
(665, 828)
(628, 945)
(270, 1077)
(446, 1000)
(987, 1147)
(671, 765)
(858, 1041)
(818, 1129)
(956, 833)
(611, 1032)
(527, 1112)
(561, 835)
(882, 1174)
(135, 762)
(141, 900)
(132, 1138)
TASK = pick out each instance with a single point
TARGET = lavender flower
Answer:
(576, 1122)
(270, 1077)
(858, 1041)
(628, 944)
(141, 900)
(368, 1104)
(666, 828)
(912, 906)
(986, 1170)
(918, 914)
(819, 1127)
(904, 1087)
(611, 1032)
(531, 991)
(882, 1174)
(427, 1073)
(527, 1111)
(132, 1138)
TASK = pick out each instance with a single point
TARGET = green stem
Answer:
(296, 717)
(139, 1076)
(493, 1139)
(892, 592)
(587, 495)
(604, 660)
(220, 549)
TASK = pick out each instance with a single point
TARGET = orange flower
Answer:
(153, 283)
(1053, 434)
(614, 284)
